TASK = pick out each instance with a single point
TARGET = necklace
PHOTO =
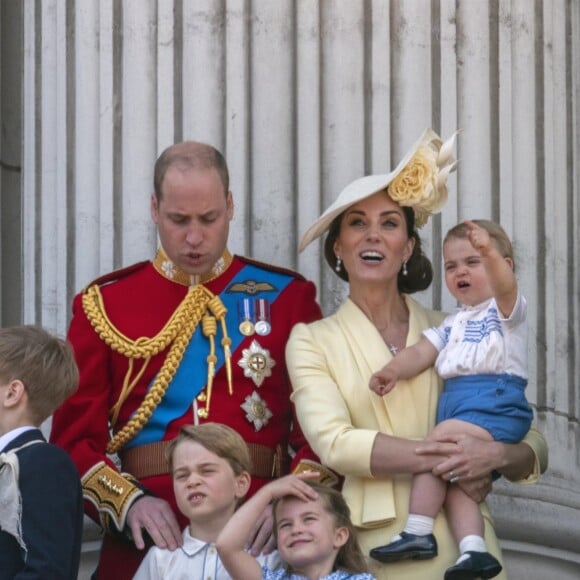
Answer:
(395, 336)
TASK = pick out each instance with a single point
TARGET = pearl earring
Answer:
(405, 272)
(338, 264)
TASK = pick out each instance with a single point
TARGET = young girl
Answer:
(481, 353)
(315, 536)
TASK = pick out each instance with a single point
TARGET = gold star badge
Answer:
(256, 362)
(257, 411)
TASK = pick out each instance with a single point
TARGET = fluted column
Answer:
(303, 96)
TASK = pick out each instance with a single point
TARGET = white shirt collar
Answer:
(7, 438)
(191, 545)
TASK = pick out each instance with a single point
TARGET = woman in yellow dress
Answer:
(373, 244)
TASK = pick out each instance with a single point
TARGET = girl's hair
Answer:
(495, 231)
(419, 269)
(349, 557)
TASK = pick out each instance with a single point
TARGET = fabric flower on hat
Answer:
(419, 181)
(422, 183)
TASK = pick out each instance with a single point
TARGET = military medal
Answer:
(245, 316)
(262, 310)
(257, 411)
(246, 328)
(257, 363)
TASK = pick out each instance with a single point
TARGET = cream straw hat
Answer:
(419, 181)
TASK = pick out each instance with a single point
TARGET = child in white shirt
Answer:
(481, 353)
(210, 465)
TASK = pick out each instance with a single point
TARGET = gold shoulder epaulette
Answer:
(326, 476)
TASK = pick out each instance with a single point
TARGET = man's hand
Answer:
(262, 539)
(156, 517)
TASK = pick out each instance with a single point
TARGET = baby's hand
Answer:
(479, 237)
(383, 382)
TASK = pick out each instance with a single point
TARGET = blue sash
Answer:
(191, 376)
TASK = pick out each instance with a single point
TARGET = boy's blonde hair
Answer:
(217, 438)
(495, 231)
(44, 363)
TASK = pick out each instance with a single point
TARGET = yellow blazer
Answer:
(330, 362)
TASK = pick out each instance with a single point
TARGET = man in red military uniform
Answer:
(194, 335)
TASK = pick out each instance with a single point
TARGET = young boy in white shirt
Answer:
(210, 465)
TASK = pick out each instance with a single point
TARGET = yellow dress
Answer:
(330, 362)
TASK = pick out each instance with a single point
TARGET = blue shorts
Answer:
(495, 402)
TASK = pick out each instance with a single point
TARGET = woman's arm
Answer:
(392, 455)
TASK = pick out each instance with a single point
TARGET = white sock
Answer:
(470, 543)
(417, 525)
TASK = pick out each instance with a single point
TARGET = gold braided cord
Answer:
(209, 328)
(142, 347)
(127, 388)
(179, 329)
(219, 310)
(217, 307)
(226, 342)
(156, 392)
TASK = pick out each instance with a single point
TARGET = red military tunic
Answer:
(143, 302)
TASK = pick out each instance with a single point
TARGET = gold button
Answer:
(202, 413)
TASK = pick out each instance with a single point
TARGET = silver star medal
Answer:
(257, 411)
(257, 363)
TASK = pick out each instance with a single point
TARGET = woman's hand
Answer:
(469, 462)
(468, 457)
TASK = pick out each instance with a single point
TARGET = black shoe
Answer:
(478, 565)
(410, 546)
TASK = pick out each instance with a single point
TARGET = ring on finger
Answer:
(454, 478)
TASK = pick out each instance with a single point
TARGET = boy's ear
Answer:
(243, 484)
(14, 394)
